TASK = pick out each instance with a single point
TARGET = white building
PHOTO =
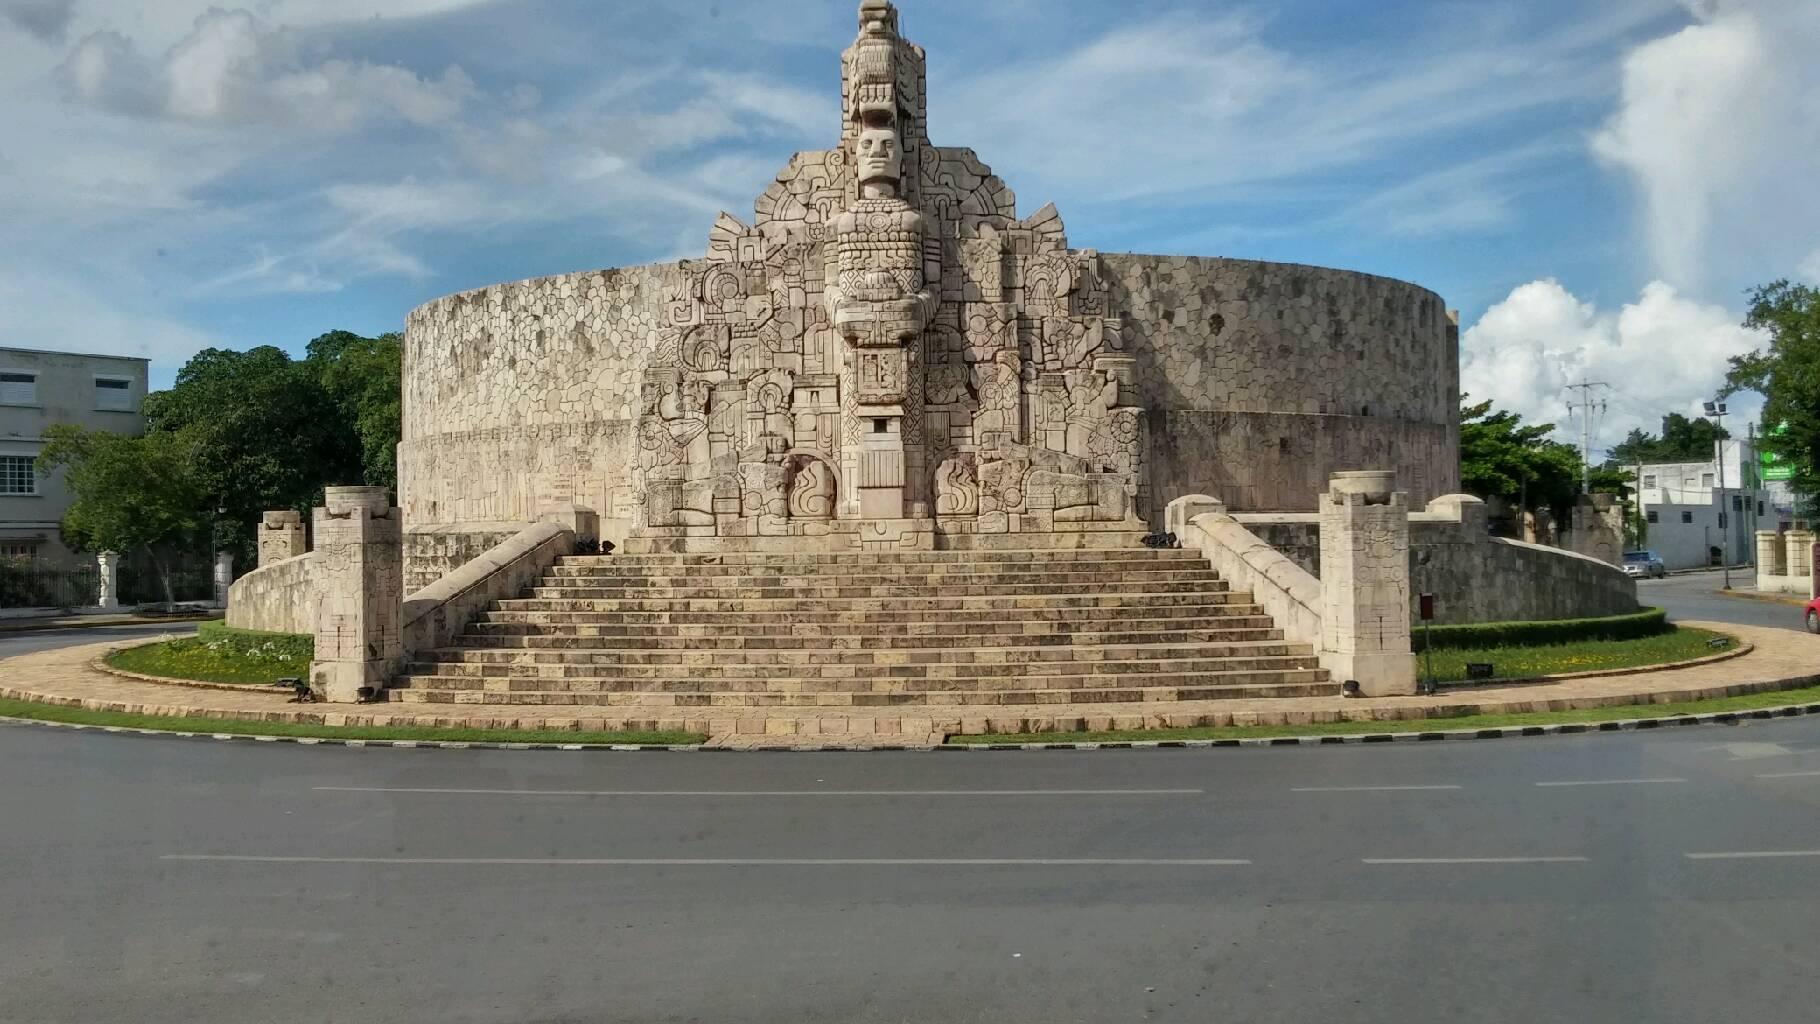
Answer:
(1692, 520)
(37, 390)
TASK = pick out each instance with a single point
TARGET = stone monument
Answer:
(359, 583)
(1365, 584)
(280, 536)
(888, 345)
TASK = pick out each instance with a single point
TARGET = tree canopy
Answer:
(1683, 439)
(1787, 375)
(1503, 457)
(129, 493)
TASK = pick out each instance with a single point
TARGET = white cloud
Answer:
(1662, 353)
(1810, 267)
(1719, 126)
(233, 69)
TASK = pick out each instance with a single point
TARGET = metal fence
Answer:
(25, 585)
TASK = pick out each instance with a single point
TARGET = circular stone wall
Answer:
(1260, 379)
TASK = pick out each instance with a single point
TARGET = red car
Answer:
(1813, 615)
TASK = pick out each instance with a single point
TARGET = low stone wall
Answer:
(276, 598)
(432, 552)
(1286, 591)
(1476, 577)
(435, 615)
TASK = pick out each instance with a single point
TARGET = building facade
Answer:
(1696, 516)
(39, 390)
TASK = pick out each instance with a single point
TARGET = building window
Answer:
(1760, 508)
(1653, 516)
(18, 474)
(1706, 479)
(1687, 517)
(18, 389)
(1737, 503)
(1649, 480)
(114, 394)
(18, 550)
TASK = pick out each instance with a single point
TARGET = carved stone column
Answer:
(360, 593)
(1365, 583)
(109, 565)
(280, 537)
(224, 577)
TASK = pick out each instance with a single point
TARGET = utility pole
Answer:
(1585, 406)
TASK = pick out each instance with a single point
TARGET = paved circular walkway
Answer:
(1779, 660)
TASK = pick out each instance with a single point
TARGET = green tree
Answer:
(362, 376)
(130, 493)
(1683, 439)
(1787, 375)
(262, 431)
(1503, 457)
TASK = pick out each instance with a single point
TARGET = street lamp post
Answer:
(1716, 412)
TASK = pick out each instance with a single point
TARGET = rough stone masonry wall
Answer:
(277, 598)
(1476, 578)
(1264, 379)
(1260, 381)
(525, 394)
(432, 552)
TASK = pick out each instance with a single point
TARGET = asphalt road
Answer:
(12, 643)
(1651, 877)
(1695, 597)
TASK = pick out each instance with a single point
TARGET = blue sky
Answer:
(1593, 185)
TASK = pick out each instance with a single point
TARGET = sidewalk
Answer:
(1780, 660)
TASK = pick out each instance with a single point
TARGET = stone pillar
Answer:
(1598, 528)
(1365, 583)
(360, 593)
(1180, 512)
(108, 563)
(224, 577)
(280, 537)
(1800, 555)
(1772, 557)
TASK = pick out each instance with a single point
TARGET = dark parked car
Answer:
(1645, 564)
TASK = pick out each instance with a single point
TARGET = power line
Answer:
(1585, 406)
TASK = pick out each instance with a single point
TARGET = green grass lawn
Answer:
(1750, 702)
(1528, 662)
(220, 655)
(80, 716)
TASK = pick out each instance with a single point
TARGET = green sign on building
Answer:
(1773, 466)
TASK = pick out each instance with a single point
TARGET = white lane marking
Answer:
(757, 792)
(1473, 860)
(1367, 789)
(1752, 854)
(1789, 775)
(1609, 782)
(729, 861)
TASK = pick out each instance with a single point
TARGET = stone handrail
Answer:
(1287, 592)
(278, 597)
(435, 615)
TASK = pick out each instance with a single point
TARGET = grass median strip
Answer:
(1590, 716)
(1532, 661)
(218, 654)
(163, 723)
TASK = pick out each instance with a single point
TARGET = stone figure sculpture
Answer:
(951, 366)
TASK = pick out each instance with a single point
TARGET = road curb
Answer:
(1426, 736)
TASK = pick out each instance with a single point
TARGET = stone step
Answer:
(685, 590)
(996, 698)
(864, 673)
(922, 634)
(764, 651)
(426, 680)
(1009, 607)
(1030, 582)
(1216, 612)
(972, 545)
(1016, 571)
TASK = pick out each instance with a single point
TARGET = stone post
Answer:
(224, 577)
(108, 563)
(1598, 528)
(360, 593)
(1800, 556)
(1772, 558)
(1365, 583)
(280, 537)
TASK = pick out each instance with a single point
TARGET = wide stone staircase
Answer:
(854, 630)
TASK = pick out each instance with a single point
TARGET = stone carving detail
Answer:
(887, 341)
